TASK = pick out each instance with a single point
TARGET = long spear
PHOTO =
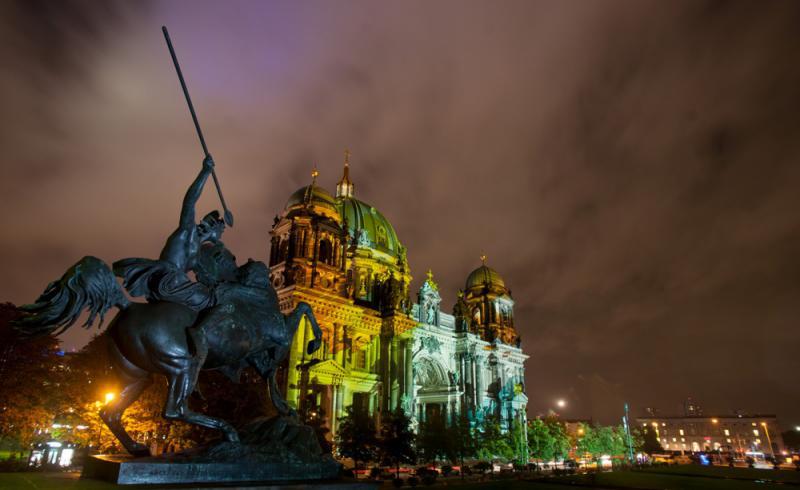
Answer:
(228, 214)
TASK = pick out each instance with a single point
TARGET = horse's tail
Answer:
(89, 284)
(293, 321)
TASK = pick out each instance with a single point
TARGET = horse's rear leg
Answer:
(181, 385)
(112, 415)
(136, 380)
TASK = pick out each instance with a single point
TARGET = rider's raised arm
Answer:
(193, 194)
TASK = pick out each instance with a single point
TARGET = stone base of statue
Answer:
(273, 450)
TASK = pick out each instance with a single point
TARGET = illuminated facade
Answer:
(381, 350)
(740, 434)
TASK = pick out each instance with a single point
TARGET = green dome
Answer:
(484, 275)
(317, 198)
(380, 234)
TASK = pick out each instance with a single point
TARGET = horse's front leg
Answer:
(264, 366)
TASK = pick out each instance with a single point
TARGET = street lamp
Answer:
(561, 403)
(109, 397)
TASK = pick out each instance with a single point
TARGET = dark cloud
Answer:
(629, 167)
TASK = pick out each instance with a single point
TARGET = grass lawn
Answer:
(787, 476)
(666, 478)
(688, 478)
(50, 481)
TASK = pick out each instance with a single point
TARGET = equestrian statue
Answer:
(227, 319)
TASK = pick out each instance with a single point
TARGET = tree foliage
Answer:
(646, 441)
(600, 441)
(31, 371)
(396, 443)
(462, 439)
(492, 443)
(547, 439)
(432, 442)
(355, 437)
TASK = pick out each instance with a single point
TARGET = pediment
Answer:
(329, 367)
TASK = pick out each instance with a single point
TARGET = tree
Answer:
(602, 441)
(396, 443)
(355, 437)
(517, 442)
(547, 439)
(645, 440)
(317, 419)
(433, 442)
(31, 371)
(463, 443)
(492, 443)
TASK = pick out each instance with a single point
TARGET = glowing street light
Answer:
(109, 397)
(561, 403)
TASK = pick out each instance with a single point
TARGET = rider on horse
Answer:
(166, 279)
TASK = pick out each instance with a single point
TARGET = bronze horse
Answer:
(244, 328)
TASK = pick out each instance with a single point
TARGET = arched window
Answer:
(476, 315)
(284, 250)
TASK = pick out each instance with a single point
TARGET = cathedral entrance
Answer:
(433, 411)
(361, 402)
(436, 395)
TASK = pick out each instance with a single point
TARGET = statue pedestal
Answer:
(125, 470)
(272, 450)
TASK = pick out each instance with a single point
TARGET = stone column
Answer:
(333, 414)
(394, 368)
(408, 376)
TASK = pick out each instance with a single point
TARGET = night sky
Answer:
(630, 168)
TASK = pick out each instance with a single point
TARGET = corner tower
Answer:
(308, 242)
(489, 305)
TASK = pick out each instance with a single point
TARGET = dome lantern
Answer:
(345, 187)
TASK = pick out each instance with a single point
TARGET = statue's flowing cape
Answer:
(159, 280)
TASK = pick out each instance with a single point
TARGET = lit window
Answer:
(681, 432)
(727, 432)
(755, 432)
(674, 439)
(728, 440)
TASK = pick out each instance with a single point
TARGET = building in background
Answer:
(738, 434)
(381, 350)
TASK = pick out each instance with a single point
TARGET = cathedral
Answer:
(383, 348)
